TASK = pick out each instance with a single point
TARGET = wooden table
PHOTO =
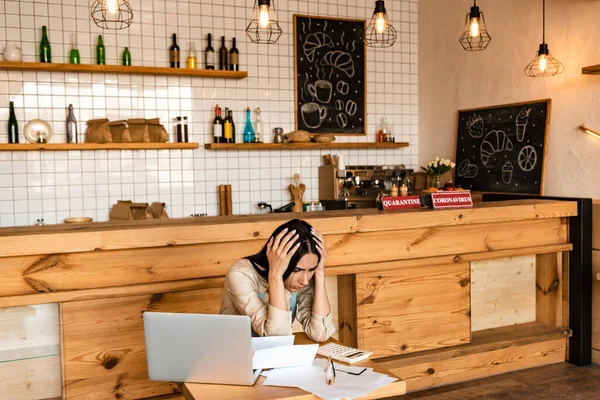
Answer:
(199, 391)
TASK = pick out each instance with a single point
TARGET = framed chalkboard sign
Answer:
(329, 71)
(503, 148)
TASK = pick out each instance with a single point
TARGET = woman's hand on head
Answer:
(280, 250)
(320, 243)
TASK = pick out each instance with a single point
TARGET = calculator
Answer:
(343, 353)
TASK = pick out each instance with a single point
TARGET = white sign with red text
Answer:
(401, 203)
(442, 200)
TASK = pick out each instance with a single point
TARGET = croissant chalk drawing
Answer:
(340, 60)
(494, 142)
(314, 42)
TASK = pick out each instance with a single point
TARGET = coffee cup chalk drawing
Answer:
(329, 70)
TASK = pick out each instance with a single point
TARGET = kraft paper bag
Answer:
(138, 130)
(126, 210)
(98, 131)
(158, 210)
(120, 132)
(158, 133)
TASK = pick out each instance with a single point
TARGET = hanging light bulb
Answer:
(380, 32)
(112, 14)
(263, 26)
(112, 6)
(475, 27)
(544, 64)
(264, 19)
(475, 36)
(380, 23)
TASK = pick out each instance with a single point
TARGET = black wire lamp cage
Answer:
(112, 14)
(264, 26)
(475, 35)
(544, 64)
(380, 32)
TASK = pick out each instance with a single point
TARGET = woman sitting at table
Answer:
(284, 281)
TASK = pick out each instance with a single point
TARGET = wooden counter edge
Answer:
(104, 236)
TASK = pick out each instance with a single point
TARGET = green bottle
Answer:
(45, 50)
(100, 52)
(13, 126)
(126, 58)
(74, 57)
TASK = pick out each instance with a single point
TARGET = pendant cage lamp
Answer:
(475, 35)
(544, 64)
(380, 32)
(112, 14)
(264, 26)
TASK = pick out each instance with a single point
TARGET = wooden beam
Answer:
(111, 292)
(157, 233)
(444, 260)
(396, 310)
(502, 292)
(549, 289)
(491, 352)
(347, 328)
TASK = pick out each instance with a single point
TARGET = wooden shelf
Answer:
(302, 146)
(592, 70)
(118, 69)
(95, 146)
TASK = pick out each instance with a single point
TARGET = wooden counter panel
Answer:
(396, 310)
(596, 301)
(503, 292)
(428, 375)
(126, 235)
(61, 272)
(103, 342)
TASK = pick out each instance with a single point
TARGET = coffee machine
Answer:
(358, 186)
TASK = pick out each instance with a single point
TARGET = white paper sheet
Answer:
(312, 379)
(284, 356)
(260, 343)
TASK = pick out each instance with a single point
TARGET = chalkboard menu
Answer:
(329, 72)
(503, 148)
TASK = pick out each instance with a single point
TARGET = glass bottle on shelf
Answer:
(174, 53)
(45, 50)
(74, 57)
(383, 131)
(71, 126)
(248, 129)
(209, 55)
(126, 59)
(218, 132)
(227, 127)
(259, 127)
(234, 58)
(100, 52)
(223, 56)
(192, 60)
(232, 127)
(13, 126)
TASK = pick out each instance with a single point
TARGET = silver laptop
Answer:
(199, 348)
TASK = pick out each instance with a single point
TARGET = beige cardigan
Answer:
(241, 297)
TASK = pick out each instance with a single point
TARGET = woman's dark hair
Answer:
(307, 246)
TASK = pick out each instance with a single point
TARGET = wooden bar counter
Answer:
(439, 296)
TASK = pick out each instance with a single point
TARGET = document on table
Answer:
(311, 378)
(284, 356)
(260, 343)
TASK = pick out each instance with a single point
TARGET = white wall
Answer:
(56, 185)
(451, 79)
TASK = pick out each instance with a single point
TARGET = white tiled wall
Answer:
(56, 185)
